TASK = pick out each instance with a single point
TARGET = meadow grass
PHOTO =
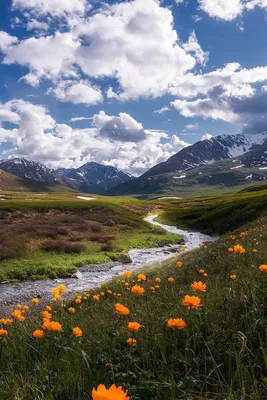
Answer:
(220, 354)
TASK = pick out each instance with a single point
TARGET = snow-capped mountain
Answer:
(207, 152)
(39, 172)
(103, 176)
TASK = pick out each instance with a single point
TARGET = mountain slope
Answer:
(103, 176)
(38, 172)
(226, 175)
(208, 152)
(13, 183)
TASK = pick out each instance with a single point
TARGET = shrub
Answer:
(60, 246)
(12, 246)
(108, 246)
(95, 227)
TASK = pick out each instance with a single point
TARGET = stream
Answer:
(94, 275)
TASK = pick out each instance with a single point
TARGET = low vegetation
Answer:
(163, 345)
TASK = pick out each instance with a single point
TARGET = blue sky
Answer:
(148, 77)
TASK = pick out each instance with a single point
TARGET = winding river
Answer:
(11, 293)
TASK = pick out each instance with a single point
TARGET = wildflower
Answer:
(243, 234)
(26, 308)
(199, 286)
(131, 342)
(157, 279)
(108, 365)
(55, 326)
(191, 301)
(102, 293)
(183, 249)
(55, 291)
(171, 279)
(138, 290)
(77, 332)
(96, 297)
(230, 250)
(18, 315)
(61, 288)
(179, 264)
(57, 297)
(233, 276)
(126, 274)
(71, 310)
(205, 274)
(254, 250)
(178, 323)
(141, 277)
(35, 301)
(153, 288)
(238, 249)
(263, 268)
(133, 326)
(126, 284)
(113, 393)
(157, 287)
(3, 332)
(109, 291)
(46, 324)
(205, 246)
(78, 301)
(48, 308)
(19, 306)
(38, 334)
(202, 271)
(121, 310)
(6, 321)
(46, 315)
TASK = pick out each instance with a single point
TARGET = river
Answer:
(12, 293)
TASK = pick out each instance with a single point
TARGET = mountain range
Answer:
(220, 163)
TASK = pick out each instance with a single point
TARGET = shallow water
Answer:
(95, 275)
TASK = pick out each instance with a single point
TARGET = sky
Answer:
(128, 83)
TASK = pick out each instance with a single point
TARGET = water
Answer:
(11, 293)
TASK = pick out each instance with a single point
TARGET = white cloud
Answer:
(120, 41)
(37, 136)
(77, 93)
(223, 9)
(191, 127)
(256, 3)
(35, 25)
(161, 110)
(192, 46)
(53, 7)
(6, 40)
(179, 1)
(207, 136)
(75, 119)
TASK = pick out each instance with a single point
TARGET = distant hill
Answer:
(13, 183)
(103, 176)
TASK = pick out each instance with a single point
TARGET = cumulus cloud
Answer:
(37, 136)
(161, 110)
(229, 10)
(75, 119)
(119, 41)
(6, 41)
(190, 127)
(207, 136)
(78, 93)
(57, 8)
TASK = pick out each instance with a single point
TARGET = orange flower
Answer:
(46, 315)
(18, 315)
(141, 277)
(179, 264)
(57, 297)
(77, 332)
(191, 301)
(121, 310)
(55, 291)
(133, 326)
(38, 334)
(263, 268)
(55, 326)
(199, 286)
(254, 251)
(35, 301)
(202, 271)
(61, 288)
(78, 300)
(233, 276)
(113, 393)
(26, 308)
(48, 308)
(178, 323)
(171, 279)
(131, 342)
(183, 249)
(205, 274)
(238, 249)
(230, 250)
(6, 321)
(138, 290)
(71, 310)
(46, 324)
(3, 332)
(157, 279)
(243, 234)
(126, 274)
(96, 297)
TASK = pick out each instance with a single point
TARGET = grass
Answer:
(52, 238)
(220, 355)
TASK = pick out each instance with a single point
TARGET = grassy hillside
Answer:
(219, 214)
(10, 182)
(219, 352)
(53, 237)
(220, 177)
